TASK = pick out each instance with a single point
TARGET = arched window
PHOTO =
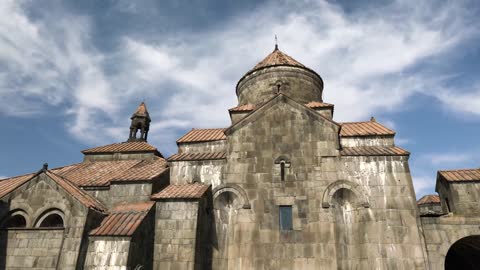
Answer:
(282, 170)
(51, 219)
(284, 163)
(15, 220)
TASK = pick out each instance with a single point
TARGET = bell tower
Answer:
(140, 122)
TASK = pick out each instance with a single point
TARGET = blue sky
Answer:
(72, 72)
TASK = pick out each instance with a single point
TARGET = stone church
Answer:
(285, 186)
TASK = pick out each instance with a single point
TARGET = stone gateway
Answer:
(285, 186)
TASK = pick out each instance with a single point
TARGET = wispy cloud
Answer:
(446, 159)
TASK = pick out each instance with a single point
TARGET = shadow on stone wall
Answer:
(4, 207)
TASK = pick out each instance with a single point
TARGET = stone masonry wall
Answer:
(107, 253)
(375, 227)
(27, 249)
(142, 243)
(442, 232)
(430, 209)
(254, 238)
(367, 141)
(129, 192)
(464, 198)
(299, 84)
(202, 147)
(208, 172)
(175, 234)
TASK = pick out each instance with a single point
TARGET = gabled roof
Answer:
(464, 175)
(76, 192)
(124, 147)
(185, 191)
(429, 199)
(123, 220)
(274, 100)
(374, 151)
(203, 135)
(9, 184)
(198, 156)
(368, 128)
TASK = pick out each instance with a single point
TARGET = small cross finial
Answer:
(276, 43)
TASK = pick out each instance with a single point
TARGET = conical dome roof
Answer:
(277, 58)
(141, 110)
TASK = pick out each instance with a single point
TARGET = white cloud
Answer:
(51, 62)
(423, 185)
(446, 159)
(467, 101)
(188, 79)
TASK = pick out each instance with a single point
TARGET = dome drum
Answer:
(299, 83)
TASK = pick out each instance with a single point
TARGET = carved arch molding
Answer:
(357, 189)
(234, 189)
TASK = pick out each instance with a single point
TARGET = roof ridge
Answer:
(453, 170)
(17, 176)
(97, 204)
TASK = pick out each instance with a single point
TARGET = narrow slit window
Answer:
(282, 171)
(286, 223)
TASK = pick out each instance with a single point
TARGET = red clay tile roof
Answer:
(76, 192)
(316, 104)
(197, 156)
(124, 147)
(98, 173)
(123, 219)
(186, 191)
(144, 170)
(277, 58)
(374, 151)
(9, 184)
(369, 128)
(464, 175)
(243, 108)
(429, 199)
(102, 173)
(203, 135)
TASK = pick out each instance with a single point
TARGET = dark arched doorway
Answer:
(464, 254)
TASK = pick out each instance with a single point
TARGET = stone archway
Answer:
(464, 254)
